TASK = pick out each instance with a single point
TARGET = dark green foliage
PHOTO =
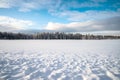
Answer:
(54, 35)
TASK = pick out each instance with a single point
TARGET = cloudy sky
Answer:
(60, 15)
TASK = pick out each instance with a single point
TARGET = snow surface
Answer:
(59, 59)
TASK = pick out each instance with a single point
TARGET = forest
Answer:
(55, 35)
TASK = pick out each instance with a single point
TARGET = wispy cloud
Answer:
(9, 23)
(25, 6)
(82, 15)
(6, 3)
(88, 15)
(50, 5)
(63, 8)
(106, 24)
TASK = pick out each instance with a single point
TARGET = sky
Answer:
(59, 15)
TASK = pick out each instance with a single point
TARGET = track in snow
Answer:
(60, 60)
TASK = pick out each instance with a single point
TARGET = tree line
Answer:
(54, 35)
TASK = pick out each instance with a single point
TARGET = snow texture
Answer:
(59, 60)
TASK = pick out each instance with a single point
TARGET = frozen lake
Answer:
(59, 59)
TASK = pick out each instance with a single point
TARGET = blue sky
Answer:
(60, 15)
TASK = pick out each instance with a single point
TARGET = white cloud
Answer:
(28, 5)
(6, 3)
(61, 7)
(88, 15)
(76, 4)
(54, 26)
(75, 26)
(105, 24)
(8, 23)
(50, 5)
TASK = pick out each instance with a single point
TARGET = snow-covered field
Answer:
(59, 59)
